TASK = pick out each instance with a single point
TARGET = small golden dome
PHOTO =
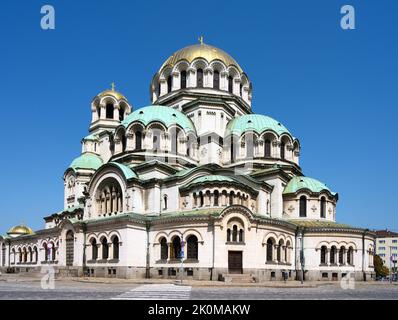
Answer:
(112, 93)
(205, 51)
(20, 230)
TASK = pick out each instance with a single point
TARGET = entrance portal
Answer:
(235, 262)
(69, 248)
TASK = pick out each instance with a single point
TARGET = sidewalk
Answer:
(193, 283)
(204, 283)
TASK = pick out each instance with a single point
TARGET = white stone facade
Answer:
(197, 179)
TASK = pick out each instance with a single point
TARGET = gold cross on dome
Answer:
(113, 86)
(201, 39)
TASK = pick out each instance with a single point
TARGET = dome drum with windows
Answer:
(200, 68)
(110, 107)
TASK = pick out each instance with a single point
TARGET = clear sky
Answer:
(334, 89)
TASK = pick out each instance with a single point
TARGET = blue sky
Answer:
(335, 90)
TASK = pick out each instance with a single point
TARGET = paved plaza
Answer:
(123, 290)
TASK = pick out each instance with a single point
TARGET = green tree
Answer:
(380, 268)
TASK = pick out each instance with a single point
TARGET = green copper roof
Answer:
(128, 173)
(211, 178)
(319, 224)
(87, 161)
(255, 122)
(91, 137)
(165, 115)
(298, 183)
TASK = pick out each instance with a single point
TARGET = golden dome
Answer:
(112, 93)
(205, 51)
(20, 230)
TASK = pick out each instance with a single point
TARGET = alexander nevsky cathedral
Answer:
(193, 186)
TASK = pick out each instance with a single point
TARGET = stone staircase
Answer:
(238, 278)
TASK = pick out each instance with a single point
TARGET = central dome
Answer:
(205, 51)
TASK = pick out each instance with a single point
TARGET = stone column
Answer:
(176, 83)
(327, 257)
(116, 112)
(163, 87)
(103, 111)
(94, 116)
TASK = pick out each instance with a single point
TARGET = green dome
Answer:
(87, 161)
(299, 183)
(255, 122)
(165, 115)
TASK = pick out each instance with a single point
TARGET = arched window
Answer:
(230, 84)
(138, 140)
(303, 206)
(115, 245)
(30, 254)
(323, 207)
(94, 249)
(36, 254)
(45, 251)
(156, 143)
(165, 202)
(174, 142)
(53, 251)
(229, 235)
(121, 114)
(231, 198)
(169, 82)
(192, 247)
(199, 78)
(124, 142)
(195, 200)
(99, 112)
(176, 248)
(350, 258)
(341, 255)
(216, 80)
(163, 249)
(333, 251)
(109, 197)
(183, 79)
(323, 255)
(267, 148)
(287, 252)
(216, 197)
(105, 249)
(109, 111)
(234, 233)
(249, 147)
(201, 199)
(279, 252)
(241, 233)
(282, 150)
(233, 151)
(270, 248)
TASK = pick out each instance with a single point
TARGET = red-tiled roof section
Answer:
(386, 234)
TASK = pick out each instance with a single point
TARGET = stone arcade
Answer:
(196, 165)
